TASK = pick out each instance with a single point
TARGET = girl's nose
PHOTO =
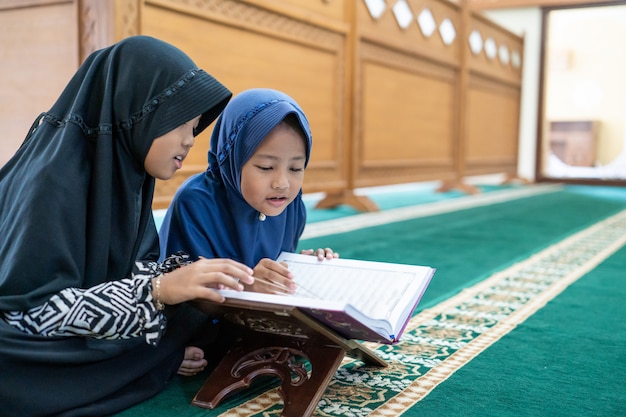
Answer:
(189, 141)
(280, 182)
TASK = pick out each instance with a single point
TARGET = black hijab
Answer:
(75, 200)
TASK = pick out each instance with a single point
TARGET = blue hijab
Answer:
(208, 216)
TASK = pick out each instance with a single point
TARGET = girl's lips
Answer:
(178, 161)
(277, 201)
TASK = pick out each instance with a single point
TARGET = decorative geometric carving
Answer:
(516, 60)
(251, 15)
(447, 32)
(292, 360)
(403, 13)
(404, 17)
(375, 7)
(263, 324)
(490, 48)
(426, 22)
(475, 42)
(503, 54)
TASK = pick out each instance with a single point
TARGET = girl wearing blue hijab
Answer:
(248, 205)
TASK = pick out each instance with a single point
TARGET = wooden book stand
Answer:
(278, 340)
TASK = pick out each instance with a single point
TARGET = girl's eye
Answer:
(297, 169)
(263, 168)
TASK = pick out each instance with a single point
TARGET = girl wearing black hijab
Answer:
(90, 322)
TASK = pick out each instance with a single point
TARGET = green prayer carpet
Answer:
(566, 359)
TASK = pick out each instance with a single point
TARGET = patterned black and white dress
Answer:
(121, 309)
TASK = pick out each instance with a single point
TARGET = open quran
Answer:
(362, 300)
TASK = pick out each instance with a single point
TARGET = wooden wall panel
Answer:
(492, 99)
(492, 140)
(418, 128)
(405, 120)
(405, 102)
(38, 55)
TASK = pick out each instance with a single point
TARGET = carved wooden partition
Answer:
(396, 91)
(431, 99)
(491, 93)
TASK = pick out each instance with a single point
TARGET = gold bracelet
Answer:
(157, 299)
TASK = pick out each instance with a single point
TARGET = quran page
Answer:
(373, 288)
(361, 300)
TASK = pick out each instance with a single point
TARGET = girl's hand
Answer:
(272, 277)
(200, 279)
(321, 254)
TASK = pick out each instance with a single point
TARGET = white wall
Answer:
(525, 22)
(585, 73)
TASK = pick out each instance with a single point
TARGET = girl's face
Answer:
(272, 177)
(167, 152)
